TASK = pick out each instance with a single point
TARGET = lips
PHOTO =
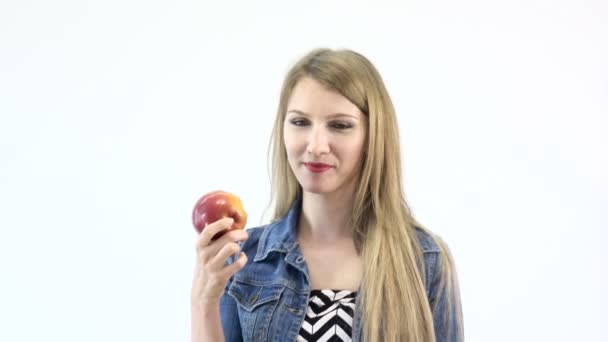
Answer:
(317, 167)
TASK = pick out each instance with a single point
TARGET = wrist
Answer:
(205, 304)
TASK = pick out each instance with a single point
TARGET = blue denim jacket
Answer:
(267, 299)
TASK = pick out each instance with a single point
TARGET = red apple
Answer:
(216, 205)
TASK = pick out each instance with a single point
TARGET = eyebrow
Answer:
(330, 115)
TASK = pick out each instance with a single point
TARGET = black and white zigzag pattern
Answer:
(329, 317)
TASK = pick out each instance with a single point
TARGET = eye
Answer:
(341, 125)
(297, 122)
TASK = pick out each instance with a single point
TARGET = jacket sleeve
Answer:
(444, 299)
(230, 317)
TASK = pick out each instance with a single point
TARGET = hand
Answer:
(211, 273)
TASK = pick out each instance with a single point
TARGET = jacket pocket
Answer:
(256, 307)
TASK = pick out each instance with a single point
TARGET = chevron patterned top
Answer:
(329, 317)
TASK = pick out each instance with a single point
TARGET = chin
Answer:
(315, 191)
(314, 185)
(317, 188)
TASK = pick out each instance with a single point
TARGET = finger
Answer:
(236, 266)
(233, 235)
(214, 247)
(211, 229)
(219, 260)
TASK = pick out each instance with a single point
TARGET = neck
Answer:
(325, 217)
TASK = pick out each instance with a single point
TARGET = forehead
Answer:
(311, 97)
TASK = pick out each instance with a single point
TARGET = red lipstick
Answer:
(317, 167)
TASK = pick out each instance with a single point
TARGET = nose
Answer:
(318, 143)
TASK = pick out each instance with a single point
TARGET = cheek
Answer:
(291, 142)
(288, 143)
(287, 140)
(357, 152)
(290, 150)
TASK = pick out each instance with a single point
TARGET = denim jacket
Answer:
(267, 299)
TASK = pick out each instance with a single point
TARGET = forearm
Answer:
(206, 323)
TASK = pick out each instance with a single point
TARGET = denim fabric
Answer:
(267, 300)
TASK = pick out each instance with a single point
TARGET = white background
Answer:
(115, 116)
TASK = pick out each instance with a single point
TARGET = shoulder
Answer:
(433, 248)
(427, 240)
(264, 238)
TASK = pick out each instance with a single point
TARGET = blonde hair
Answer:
(394, 301)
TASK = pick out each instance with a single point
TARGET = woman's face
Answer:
(322, 126)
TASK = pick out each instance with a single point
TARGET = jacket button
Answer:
(300, 259)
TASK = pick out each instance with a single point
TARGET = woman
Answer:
(343, 257)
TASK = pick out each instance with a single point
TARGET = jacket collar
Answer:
(281, 234)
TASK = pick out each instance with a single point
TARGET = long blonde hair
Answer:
(394, 302)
